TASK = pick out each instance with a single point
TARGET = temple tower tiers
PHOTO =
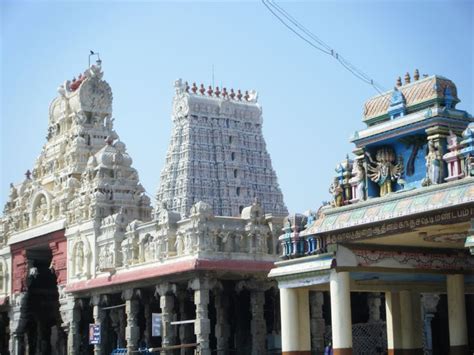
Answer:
(217, 154)
(83, 171)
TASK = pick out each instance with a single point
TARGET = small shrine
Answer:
(398, 229)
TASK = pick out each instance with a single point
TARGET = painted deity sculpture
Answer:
(433, 165)
(385, 169)
(337, 192)
(358, 181)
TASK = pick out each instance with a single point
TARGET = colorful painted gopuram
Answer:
(80, 243)
(397, 232)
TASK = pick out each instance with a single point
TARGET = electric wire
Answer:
(314, 41)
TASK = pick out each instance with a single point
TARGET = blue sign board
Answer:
(94, 334)
(156, 324)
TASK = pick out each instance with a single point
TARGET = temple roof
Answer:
(432, 198)
(415, 93)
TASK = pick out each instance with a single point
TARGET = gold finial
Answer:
(416, 76)
(399, 81)
(407, 78)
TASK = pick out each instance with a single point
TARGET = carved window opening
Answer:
(235, 173)
(241, 208)
(232, 156)
(230, 139)
(227, 123)
(237, 191)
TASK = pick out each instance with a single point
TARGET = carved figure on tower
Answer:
(434, 160)
(384, 170)
(358, 181)
(337, 193)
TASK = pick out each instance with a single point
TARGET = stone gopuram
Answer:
(80, 243)
(217, 154)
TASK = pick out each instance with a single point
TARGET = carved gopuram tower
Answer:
(217, 154)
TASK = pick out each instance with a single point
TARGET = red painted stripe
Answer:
(168, 269)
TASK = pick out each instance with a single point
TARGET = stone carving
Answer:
(434, 159)
(385, 170)
(337, 193)
(358, 181)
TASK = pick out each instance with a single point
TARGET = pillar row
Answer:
(295, 322)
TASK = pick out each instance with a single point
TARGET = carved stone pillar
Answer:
(147, 314)
(185, 333)
(99, 317)
(132, 331)
(18, 320)
(165, 291)
(117, 320)
(374, 302)
(318, 326)
(258, 326)
(70, 311)
(429, 302)
(202, 327)
(222, 326)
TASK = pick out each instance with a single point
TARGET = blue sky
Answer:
(311, 104)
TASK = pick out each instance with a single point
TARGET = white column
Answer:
(341, 318)
(411, 323)
(304, 331)
(290, 322)
(457, 315)
(394, 331)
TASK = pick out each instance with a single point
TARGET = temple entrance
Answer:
(43, 333)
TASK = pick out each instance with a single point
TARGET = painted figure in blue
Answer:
(433, 165)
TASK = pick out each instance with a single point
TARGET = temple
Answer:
(398, 233)
(80, 243)
(88, 265)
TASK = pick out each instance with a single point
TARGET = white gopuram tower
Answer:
(217, 154)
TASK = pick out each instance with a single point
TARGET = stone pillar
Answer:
(374, 302)
(258, 327)
(147, 314)
(18, 320)
(202, 327)
(318, 326)
(429, 302)
(393, 318)
(165, 291)
(458, 340)
(341, 318)
(295, 333)
(132, 331)
(71, 316)
(99, 317)
(184, 332)
(411, 329)
(222, 326)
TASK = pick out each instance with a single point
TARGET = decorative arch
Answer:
(40, 207)
(81, 258)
